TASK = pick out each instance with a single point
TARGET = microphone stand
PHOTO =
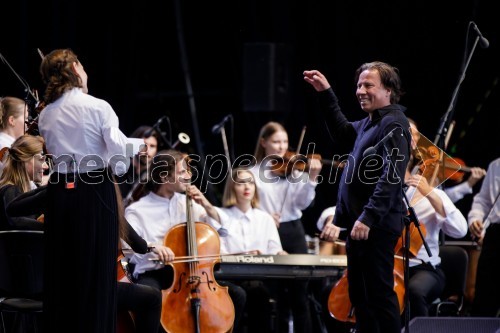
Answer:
(226, 149)
(162, 136)
(448, 116)
(27, 89)
(411, 217)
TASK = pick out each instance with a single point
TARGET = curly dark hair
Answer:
(57, 74)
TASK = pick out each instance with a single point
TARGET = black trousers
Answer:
(370, 265)
(145, 303)
(425, 285)
(487, 295)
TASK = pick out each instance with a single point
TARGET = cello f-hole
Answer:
(179, 285)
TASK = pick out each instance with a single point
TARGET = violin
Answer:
(284, 166)
(440, 166)
(195, 302)
(339, 304)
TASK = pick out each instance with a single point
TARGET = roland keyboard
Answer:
(292, 266)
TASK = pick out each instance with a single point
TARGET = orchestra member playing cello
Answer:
(163, 207)
(370, 200)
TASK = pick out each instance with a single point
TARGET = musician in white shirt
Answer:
(284, 197)
(82, 135)
(244, 228)
(484, 225)
(436, 212)
(153, 215)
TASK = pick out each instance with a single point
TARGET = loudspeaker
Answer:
(265, 77)
(454, 324)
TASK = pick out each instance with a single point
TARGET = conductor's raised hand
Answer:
(316, 79)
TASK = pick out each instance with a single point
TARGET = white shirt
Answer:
(152, 217)
(287, 196)
(487, 197)
(78, 126)
(6, 140)
(250, 231)
(453, 225)
(457, 192)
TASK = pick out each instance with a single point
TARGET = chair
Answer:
(454, 263)
(21, 278)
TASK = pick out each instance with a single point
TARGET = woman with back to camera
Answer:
(82, 134)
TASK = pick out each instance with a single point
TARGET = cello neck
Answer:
(190, 228)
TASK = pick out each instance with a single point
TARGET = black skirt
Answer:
(81, 228)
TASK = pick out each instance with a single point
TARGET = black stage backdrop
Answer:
(198, 61)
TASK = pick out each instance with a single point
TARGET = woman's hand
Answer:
(420, 183)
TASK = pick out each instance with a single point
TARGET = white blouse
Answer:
(82, 134)
(453, 225)
(249, 231)
(287, 196)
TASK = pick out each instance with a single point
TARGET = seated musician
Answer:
(329, 233)
(143, 301)
(455, 192)
(246, 229)
(163, 207)
(138, 170)
(24, 165)
(436, 212)
(243, 227)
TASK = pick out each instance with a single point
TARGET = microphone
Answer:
(373, 149)
(217, 127)
(150, 131)
(482, 41)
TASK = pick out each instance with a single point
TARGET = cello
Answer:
(339, 304)
(195, 302)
